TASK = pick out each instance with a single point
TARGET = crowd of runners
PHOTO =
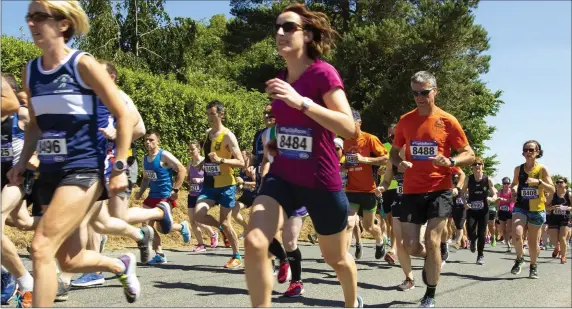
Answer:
(68, 138)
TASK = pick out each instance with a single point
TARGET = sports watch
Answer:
(120, 165)
(453, 162)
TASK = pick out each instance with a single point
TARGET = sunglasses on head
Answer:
(424, 92)
(529, 150)
(288, 26)
(477, 164)
(39, 17)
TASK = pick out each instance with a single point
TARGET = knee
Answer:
(42, 249)
(336, 260)
(98, 227)
(255, 241)
(290, 245)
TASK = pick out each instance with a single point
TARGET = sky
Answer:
(530, 61)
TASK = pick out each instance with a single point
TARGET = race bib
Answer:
(558, 212)
(477, 205)
(195, 188)
(400, 188)
(52, 147)
(351, 159)
(151, 175)
(529, 193)
(212, 169)
(294, 142)
(423, 150)
(459, 201)
(7, 152)
(504, 208)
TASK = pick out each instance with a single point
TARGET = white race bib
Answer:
(529, 193)
(7, 152)
(423, 150)
(294, 142)
(195, 188)
(212, 169)
(477, 205)
(400, 189)
(52, 147)
(351, 159)
(504, 208)
(151, 175)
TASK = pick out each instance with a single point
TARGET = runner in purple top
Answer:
(310, 107)
(196, 179)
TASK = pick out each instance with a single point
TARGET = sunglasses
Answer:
(559, 181)
(477, 164)
(268, 116)
(529, 150)
(506, 183)
(424, 92)
(288, 27)
(39, 17)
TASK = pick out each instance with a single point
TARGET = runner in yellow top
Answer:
(388, 198)
(530, 182)
(219, 187)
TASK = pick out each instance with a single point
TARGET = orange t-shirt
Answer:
(425, 137)
(360, 176)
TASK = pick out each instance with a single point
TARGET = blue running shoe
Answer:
(87, 280)
(167, 221)
(157, 260)
(185, 231)
(9, 287)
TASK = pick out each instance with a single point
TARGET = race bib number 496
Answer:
(52, 147)
(423, 150)
(294, 142)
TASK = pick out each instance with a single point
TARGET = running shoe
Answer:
(380, 250)
(563, 259)
(556, 251)
(167, 221)
(444, 252)
(390, 258)
(9, 287)
(533, 271)
(131, 285)
(214, 239)
(295, 289)
(427, 302)
(24, 299)
(158, 260)
(88, 279)
(233, 263)
(145, 243)
(517, 268)
(63, 290)
(358, 251)
(284, 272)
(359, 302)
(481, 260)
(406, 285)
(493, 242)
(199, 248)
(487, 240)
(473, 246)
(185, 232)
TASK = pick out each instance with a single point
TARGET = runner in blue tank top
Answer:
(158, 167)
(64, 86)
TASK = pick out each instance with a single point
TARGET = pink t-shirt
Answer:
(306, 151)
(507, 195)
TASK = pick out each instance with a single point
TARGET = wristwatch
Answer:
(453, 162)
(222, 160)
(306, 102)
(120, 165)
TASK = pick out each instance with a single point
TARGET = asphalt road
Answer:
(199, 280)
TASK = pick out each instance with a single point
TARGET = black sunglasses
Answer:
(288, 26)
(559, 181)
(506, 183)
(39, 17)
(477, 164)
(422, 92)
(266, 115)
(529, 150)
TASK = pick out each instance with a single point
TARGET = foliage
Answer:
(16, 54)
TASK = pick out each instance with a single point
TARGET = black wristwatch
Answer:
(222, 160)
(176, 190)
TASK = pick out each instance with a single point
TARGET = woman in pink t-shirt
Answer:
(505, 211)
(310, 107)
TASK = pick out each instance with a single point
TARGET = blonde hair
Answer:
(73, 12)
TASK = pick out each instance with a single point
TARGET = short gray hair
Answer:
(424, 77)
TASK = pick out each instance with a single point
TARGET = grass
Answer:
(22, 239)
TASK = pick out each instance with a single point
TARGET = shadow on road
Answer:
(206, 290)
(392, 303)
(309, 301)
(362, 285)
(478, 278)
(210, 269)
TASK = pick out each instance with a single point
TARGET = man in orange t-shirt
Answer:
(429, 134)
(361, 153)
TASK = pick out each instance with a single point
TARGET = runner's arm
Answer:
(232, 143)
(514, 184)
(394, 157)
(549, 201)
(465, 156)
(144, 185)
(388, 176)
(546, 181)
(494, 190)
(174, 164)
(464, 191)
(32, 133)
(10, 103)
(23, 117)
(336, 116)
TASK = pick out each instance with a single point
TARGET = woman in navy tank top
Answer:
(310, 107)
(65, 88)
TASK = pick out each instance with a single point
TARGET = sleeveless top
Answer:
(557, 200)
(217, 175)
(478, 192)
(160, 178)
(66, 113)
(12, 139)
(530, 198)
(508, 205)
(195, 188)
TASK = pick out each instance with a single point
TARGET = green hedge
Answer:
(176, 110)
